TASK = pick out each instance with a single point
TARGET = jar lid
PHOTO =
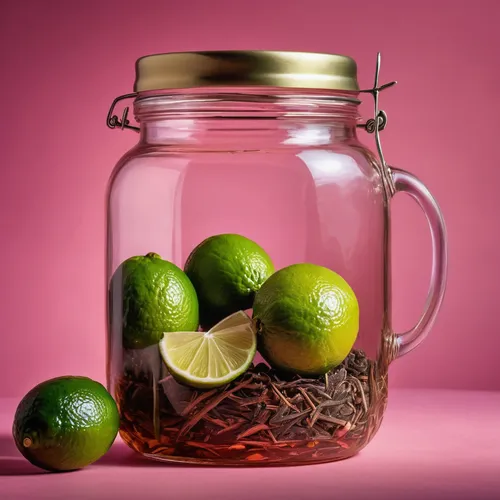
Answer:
(246, 68)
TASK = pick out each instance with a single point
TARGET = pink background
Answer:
(63, 63)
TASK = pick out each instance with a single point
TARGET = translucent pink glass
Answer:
(287, 170)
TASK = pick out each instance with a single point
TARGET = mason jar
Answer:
(261, 147)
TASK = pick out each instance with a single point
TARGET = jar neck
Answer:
(250, 120)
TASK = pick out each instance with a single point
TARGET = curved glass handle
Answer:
(407, 183)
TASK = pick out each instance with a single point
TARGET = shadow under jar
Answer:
(265, 145)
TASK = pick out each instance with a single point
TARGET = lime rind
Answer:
(211, 359)
(236, 319)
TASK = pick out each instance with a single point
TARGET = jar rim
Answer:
(250, 94)
(236, 68)
(249, 102)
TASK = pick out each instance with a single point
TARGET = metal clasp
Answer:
(378, 123)
(373, 125)
(112, 121)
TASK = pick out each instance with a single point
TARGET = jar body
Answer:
(305, 190)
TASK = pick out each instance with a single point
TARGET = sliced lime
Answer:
(210, 359)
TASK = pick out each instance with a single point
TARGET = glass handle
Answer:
(408, 183)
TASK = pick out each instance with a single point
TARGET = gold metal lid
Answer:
(246, 68)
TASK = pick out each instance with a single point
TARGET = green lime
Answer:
(307, 318)
(214, 358)
(155, 297)
(65, 423)
(226, 271)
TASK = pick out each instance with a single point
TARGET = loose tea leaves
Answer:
(259, 411)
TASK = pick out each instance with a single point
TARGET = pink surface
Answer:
(62, 64)
(433, 445)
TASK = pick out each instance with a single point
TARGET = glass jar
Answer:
(263, 145)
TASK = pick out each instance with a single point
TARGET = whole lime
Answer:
(65, 423)
(226, 271)
(307, 317)
(150, 296)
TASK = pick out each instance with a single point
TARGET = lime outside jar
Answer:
(263, 145)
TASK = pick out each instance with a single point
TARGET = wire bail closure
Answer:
(377, 124)
(373, 125)
(112, 121)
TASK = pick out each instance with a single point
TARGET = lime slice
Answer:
(210, 359)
